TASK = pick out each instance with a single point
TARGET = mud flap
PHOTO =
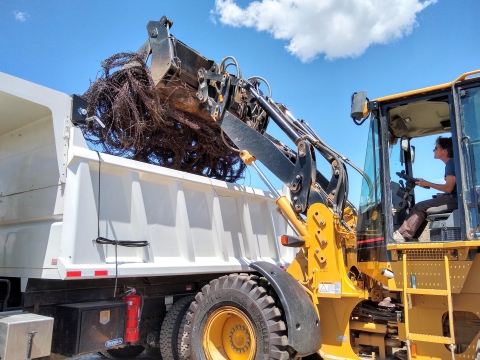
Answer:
(302, 320)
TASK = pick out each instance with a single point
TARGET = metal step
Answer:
(430, 338)
(441, 292)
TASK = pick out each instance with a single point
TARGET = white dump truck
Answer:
(101, 253)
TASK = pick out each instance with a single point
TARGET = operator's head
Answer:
(443, 146)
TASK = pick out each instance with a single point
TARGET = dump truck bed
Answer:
(57, 196)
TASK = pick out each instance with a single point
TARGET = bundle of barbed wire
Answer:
(142, 126)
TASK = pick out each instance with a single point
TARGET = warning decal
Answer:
(330, 288)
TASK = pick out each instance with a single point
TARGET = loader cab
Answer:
(402, 133)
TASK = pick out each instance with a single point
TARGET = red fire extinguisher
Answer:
(133, 302)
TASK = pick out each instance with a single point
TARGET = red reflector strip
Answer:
(282, 267)
(284, 240)
(74, 273)
(86, 273)
(369, 240)
(101, 272)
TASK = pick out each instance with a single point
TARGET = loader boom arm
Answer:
(243, 113)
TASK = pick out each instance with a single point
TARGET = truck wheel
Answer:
(172, 346)
(129, 352)
(234, 318)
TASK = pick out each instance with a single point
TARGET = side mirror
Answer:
(358, 110)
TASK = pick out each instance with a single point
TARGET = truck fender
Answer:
(302, 320)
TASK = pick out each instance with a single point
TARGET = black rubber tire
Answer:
(126, 353)
(172, 346)
(245, 294)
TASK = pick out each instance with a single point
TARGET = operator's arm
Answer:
(447, 188)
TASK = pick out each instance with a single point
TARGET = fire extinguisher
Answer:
(133, 302)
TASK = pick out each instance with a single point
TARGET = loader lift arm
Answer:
(243, 112)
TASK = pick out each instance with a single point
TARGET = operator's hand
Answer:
(422, 183)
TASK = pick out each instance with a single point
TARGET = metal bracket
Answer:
(30, 336)
(303, 176)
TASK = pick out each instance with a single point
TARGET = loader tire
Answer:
(236, 319)
(172, 346)
(126, 353)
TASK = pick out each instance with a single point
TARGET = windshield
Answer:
(370, 220)
(470, 112)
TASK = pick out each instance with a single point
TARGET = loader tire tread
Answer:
(224, 290)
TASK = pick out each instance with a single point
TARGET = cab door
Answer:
(467, 109)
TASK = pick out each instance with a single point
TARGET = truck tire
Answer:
(172, 346)
(237, 319)
(129, 352)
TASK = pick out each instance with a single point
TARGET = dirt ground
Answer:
(144, 356)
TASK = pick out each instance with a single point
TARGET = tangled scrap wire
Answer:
(140, 125)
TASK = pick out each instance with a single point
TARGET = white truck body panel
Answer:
(52, 207)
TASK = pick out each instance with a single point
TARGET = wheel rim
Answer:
(229, 334)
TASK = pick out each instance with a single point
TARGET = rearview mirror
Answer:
(359, 102)
(406, 147)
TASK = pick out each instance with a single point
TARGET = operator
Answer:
(443, 151)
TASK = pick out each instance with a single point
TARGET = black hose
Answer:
(104, 241)
(126, 243)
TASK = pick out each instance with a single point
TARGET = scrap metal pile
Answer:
(141, 125)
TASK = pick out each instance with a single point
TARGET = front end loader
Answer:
(351, 291)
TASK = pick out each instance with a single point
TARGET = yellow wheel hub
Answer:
(229, 334)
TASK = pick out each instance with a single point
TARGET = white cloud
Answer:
(20, 16)
(336, 28)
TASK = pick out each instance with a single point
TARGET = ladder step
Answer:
(427, 291)
(430, 338)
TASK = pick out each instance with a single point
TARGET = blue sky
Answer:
(313, 60)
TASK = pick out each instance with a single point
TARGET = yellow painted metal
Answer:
(246, 157)
(229, 334)
(322, 269)
(434, 245)
(437, 339)
(428, 89)
(427, 292)
(430, 338)
(406, 306)
(369, 327)
(450, 309)
(443, 272)
(293, 218)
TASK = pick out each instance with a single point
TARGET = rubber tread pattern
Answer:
(247, 284)
(172, 346)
